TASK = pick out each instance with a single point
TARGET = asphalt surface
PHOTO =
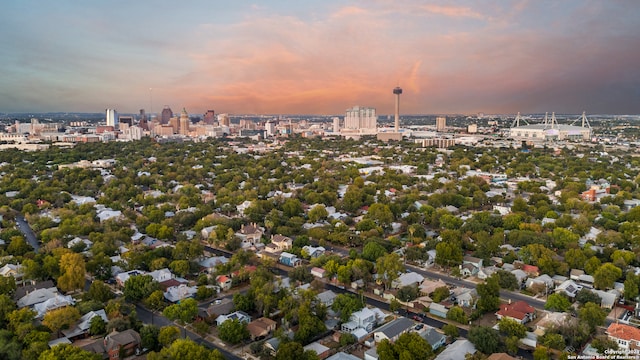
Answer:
(28, 233)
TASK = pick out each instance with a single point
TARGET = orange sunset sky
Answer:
(321, 57)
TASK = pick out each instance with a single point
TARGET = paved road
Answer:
(149, 317)
(28, 233)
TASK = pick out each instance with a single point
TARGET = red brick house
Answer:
(627, 337)
(519, 311)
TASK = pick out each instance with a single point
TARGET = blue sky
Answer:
(491, 56)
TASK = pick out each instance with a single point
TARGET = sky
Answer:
(321, 57)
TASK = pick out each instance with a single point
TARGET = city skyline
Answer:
(296, 58)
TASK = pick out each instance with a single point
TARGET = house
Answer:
(627, 337)
(327, 297)
(289, 259)
(569, 288)
(261, 327)
(531, 270)
(224, 282)
(22, 291)
(219, 307)
(343, 356)
(321, 350)
(122, 278)
(36, 297)
(82, 327)
(175, 294)
(458, 350)
(238, 315)
(519, 311)
(429, 286)
(12, 270)
(500, 356)
(56, 302)
(314, 251)
(250, 235)
(209, 264)
(468, 270)
(476, 262)
(318, 272)
(372, 354)
(438, 310)
(465, 297)
(392, 331)
(161, 275)
(551, 320)
(363, 318)
(408, 279)
(520, 275)
(485, 272)
(542, 280)
(281, 242)
(433, 337)
(87, 244)
(118, 345)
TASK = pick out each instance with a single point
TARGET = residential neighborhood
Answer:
(320, 249)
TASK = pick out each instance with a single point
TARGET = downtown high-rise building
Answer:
(166, 115)
(112, 118)
(184, 122)
(223, 120)
(209, 117)
(441, 123)
(360, 118)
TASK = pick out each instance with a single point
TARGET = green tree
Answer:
(233, 331)
(149, 337)
(61, 318)
(440, 294)
(489, 295)
(68, 352)
(553, 341)
(168, 334)
(184, 311)
(72, 267)
(451, 331)
(511, 343)
(408, 293)
(294, 350)
(541, 353)
(99, 291)
(155, 301)
(372, 251)
(485, 339)
(512, 328)
(448, 254)
(585, 295)
(409, 346)
(507, 280)
(557, 302)
(389, 268)
(456, 313)
(346, 304)
(592, 315)
(381, 214)
(185, 349)
(606, 275)
(631, 285)
(139, 287)
(97, 326)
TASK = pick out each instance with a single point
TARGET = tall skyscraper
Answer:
(184, 122)
(112, 118)
(166, 115)
(209, 117)
(143, 122)
(223, 120)
(360, 118)
(441, 123)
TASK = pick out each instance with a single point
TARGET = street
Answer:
(28, 233)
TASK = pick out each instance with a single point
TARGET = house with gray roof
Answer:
(391, 331)
(458, 350)
(433, 337)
